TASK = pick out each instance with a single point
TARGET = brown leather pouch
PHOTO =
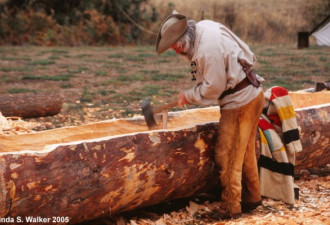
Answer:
(251, 75)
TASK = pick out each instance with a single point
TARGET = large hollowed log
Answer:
(101, 169)
(99, 178)
(45, 174)
(30, 105)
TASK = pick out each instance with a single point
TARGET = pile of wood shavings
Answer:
(312, 208)
(15, 126)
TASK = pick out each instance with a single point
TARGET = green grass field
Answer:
(100, 83)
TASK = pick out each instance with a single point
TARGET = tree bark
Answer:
(30, 105)
(314, 125)
(98, 178)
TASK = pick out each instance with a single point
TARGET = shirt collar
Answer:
(199, 32)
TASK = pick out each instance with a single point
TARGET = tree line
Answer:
(76, 22)
(113, 22)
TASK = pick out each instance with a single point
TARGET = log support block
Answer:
(30, 105)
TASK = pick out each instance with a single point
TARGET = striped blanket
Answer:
(280, 142)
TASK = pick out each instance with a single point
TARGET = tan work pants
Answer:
(235, 155)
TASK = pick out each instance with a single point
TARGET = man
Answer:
(220, 63)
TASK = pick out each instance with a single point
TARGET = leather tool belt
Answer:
(251, 78)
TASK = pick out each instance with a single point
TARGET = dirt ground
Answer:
(100, 83)
(312, 208)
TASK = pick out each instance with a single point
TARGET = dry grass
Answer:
(271, 21)
(255, 21)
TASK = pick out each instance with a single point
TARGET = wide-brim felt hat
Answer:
(170, 31)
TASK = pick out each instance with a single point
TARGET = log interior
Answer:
(188, 118)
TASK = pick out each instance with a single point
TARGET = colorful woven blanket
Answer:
(280, 142)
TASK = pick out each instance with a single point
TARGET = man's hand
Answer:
(182, 100)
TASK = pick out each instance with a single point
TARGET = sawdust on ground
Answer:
(313, 207)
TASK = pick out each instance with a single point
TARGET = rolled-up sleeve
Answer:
(211, 80)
